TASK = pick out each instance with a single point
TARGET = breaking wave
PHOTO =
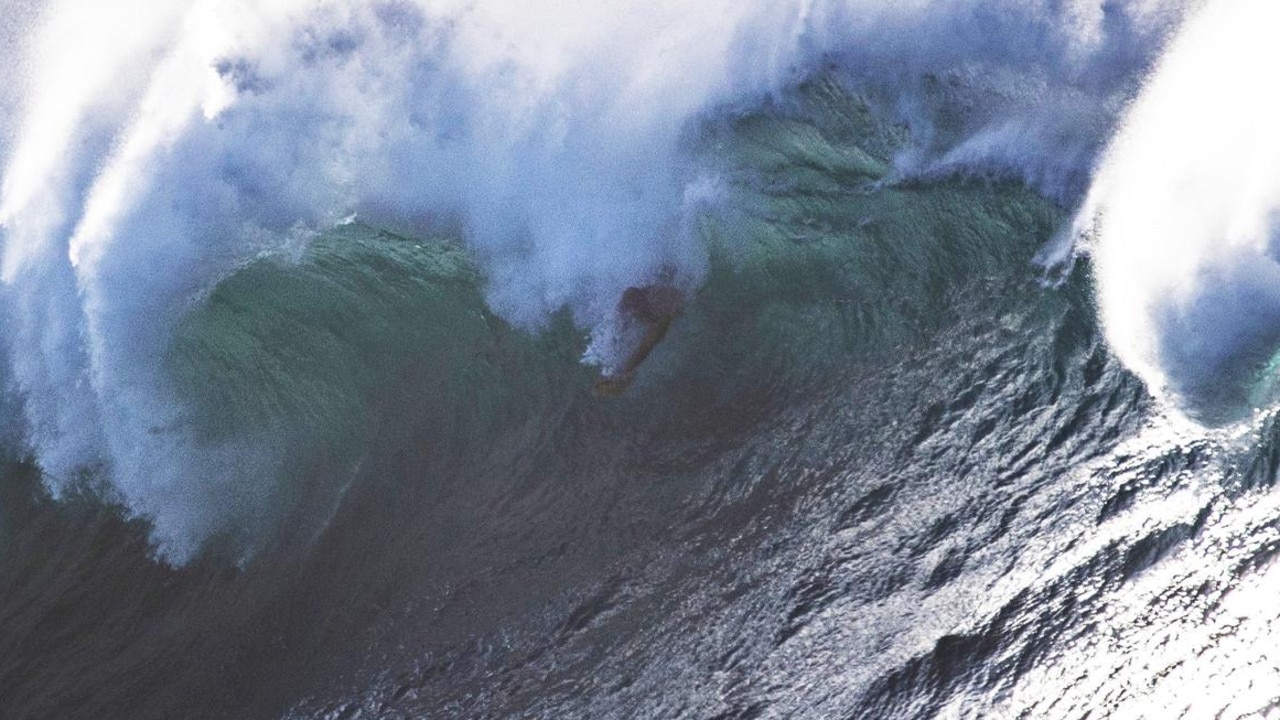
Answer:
(840, 358)
(1184, 232)
(159, 146)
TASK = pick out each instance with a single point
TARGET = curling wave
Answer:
(161, 145)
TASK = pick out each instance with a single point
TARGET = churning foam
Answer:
(161, 142)
(1185, 220)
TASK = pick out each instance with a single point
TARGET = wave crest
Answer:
(162, 144)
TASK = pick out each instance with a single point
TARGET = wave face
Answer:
(303, 306)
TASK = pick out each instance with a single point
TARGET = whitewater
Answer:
(962, 404)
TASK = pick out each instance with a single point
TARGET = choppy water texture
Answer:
(884, 465)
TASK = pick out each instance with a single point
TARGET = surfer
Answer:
(652, 308)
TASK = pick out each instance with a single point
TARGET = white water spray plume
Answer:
(1184, 216)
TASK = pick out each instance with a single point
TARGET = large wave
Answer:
(161, 145)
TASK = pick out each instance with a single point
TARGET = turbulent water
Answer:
(969, 411)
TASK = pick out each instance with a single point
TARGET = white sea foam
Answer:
(1184, 216)
(162, 141)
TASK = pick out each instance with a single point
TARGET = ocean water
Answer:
(968, 411)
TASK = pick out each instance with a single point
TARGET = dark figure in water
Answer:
(653, 308)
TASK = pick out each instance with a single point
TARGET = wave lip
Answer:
(1184, 213)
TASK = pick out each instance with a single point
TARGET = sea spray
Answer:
(1184, 214)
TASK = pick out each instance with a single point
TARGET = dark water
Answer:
(879, 468)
